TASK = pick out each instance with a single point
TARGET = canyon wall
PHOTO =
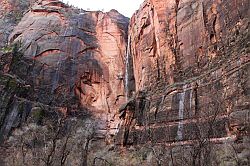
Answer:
(171, 85)
(71, 59)
(11, 13)
(191, 71)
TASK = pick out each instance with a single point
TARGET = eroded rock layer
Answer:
(11, 13)
(73, 59)
(177, 74)
(191, 69)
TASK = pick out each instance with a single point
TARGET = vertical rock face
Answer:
(11, 12)
(191, 63)
(74, 58)
(180, 66)
(176, 40)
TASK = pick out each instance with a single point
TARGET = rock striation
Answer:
(11, 13)
(174, 80)
(191, 72)
(74, 59)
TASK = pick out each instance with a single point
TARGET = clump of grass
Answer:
(7, 49)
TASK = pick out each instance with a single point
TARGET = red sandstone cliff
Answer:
(185, 73)
(74, 58)
(176, 40)
(11, 12)
(191, 71)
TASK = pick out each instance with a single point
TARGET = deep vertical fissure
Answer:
(129, 72)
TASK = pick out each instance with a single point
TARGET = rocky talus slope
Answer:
(170, 86)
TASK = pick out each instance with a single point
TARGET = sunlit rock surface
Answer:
(75, 58)
(191, 63)
(171, 85)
